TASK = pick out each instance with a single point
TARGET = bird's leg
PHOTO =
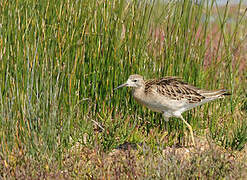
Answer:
(190, 128)
(166, 117)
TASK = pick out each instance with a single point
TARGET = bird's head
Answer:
(134, 81)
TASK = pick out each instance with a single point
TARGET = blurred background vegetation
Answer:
(59, 64)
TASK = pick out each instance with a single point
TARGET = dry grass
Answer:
(205, 161)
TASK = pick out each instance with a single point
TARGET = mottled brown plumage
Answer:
(174, 88)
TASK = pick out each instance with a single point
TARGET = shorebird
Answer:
(170, 96)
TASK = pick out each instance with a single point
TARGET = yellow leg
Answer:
(190, 128)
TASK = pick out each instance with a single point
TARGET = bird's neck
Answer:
(138, 92)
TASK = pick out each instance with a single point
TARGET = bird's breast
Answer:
(148, 100)
(156, 102)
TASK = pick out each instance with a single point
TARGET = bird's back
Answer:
(174, 88)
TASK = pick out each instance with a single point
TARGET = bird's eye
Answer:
(134, 80)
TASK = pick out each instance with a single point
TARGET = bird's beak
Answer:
(123, 85)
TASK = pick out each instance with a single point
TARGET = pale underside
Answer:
(169, 107)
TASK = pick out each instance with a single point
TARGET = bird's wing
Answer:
(174, 88)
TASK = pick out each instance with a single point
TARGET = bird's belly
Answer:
(160, 104)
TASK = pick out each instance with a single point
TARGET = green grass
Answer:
(59, 64)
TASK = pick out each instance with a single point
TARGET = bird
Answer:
(170, 96)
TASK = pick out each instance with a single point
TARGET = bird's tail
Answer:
(216, 94)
